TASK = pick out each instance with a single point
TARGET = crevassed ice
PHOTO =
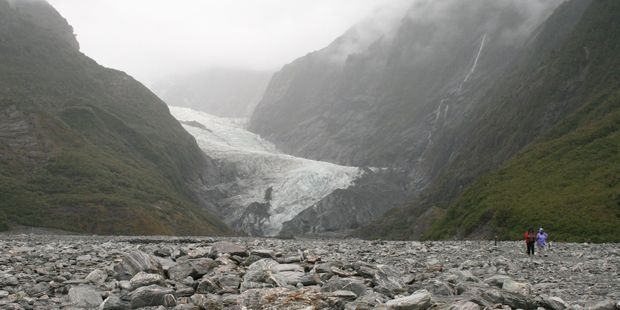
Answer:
(297, 183)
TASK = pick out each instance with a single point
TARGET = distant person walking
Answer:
(541, 239)
(530, 240)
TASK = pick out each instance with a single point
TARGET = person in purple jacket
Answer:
(541, 240)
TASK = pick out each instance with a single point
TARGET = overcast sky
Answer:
(150, 39)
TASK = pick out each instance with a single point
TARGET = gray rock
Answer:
(97, 277)
(514, 300)
(134, 262)
(497, 280)
(517, 287)
(437, 287)
(386, 279)
(198, 252)
(419, 300)
(83, 258)
(604, 305)
(370, 300)
(225, 247)
(259, 273)
(292, 277)
(181, 271)
(349, 284)
(163, 252)
(145, 279)
(229, 281)
(207, 285)
(199, 300)
(194, 268)
(113, 302)
(553, 303)
(13, 306)
(38, 289)
(152, 295)
(263, 253)
(286, 267)
(169, 301)
(84, 297)
(344, 294)
(464, 305)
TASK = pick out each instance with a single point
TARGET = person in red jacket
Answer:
(530, 241)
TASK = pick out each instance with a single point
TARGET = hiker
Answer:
(530, 240)
(541, 239)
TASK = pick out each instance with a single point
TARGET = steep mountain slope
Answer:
(86, 148)
(413, 99)
(569, 180)
(224, 92)
(380, 101)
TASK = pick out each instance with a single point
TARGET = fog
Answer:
(151, 39)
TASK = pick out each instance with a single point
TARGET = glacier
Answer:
(282, 184)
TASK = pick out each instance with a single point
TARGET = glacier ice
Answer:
(297, 183)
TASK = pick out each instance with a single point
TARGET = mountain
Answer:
(452, 93)
(379, 101)
(543, 125)
(224, 92)
(568, 180)
(89, 149)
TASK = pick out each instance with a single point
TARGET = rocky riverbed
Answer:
(77, 272)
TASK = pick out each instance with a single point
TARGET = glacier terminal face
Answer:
(269, 187)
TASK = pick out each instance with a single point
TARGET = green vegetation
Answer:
(569, 184)
(85, 148)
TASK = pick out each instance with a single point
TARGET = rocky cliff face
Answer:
(87, 148)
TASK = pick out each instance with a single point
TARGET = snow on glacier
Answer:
(297, 183)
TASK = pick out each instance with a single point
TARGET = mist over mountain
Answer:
(224, 92)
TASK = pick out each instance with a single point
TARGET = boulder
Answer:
(604, 305)
(38, 289)
(145, 279)
(113, 302)
(84, 297)
(207, 285)
(344, 294)
(419, 300)
(260, 273)
(553, 303)
(97, 277)
(497, 280)
(349, 284)
(517, 287)
(386, 279)
(134, 262)
(225, 247)
(152, 295)
(464, 305)
(194, 268)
